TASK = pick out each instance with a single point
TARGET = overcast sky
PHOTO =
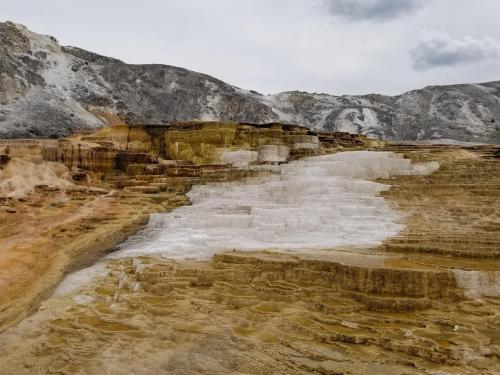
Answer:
(333, 46)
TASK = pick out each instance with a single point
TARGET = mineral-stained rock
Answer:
(259, 313)
(4, 159)
(137, 149)
(62, 211)
(424, 302)
(453, 212)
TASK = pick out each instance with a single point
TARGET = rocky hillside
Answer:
(47, 90)
(463, 112)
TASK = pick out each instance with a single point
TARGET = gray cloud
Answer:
(377, 10)
(436, 48)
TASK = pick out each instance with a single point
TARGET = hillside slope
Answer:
(47, 90)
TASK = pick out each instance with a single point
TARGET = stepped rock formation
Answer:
(115, 178)
(47, 90)
(422, 302)
(320, 202)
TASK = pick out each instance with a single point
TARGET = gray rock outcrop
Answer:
(47, 90)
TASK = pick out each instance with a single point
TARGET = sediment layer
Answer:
(454, 212)
(259, 313)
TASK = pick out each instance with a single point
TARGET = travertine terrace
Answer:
(425, 301)
(115, 178)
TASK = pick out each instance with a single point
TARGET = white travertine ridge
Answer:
(317, 203)
(478, 283)
(239, 158)
(273, 153)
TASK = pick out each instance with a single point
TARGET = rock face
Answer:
(462, 112)
(155, 149)
(47, 90)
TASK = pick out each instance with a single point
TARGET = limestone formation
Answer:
(423, 301)
(81, 195)
(258, 313)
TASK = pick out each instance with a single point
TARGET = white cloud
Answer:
(437, 48)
